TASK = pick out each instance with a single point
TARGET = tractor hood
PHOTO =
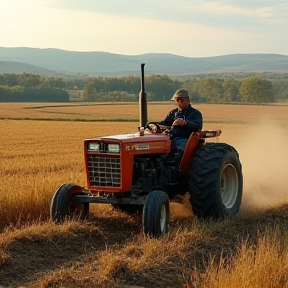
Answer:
(159, 142)
(133, 137)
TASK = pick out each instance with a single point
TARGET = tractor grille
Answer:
(104, 171)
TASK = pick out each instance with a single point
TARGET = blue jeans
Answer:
(180, 144)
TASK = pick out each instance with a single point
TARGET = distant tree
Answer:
(230, 89)
(283, 95)
(77, 84)
(194, 96)
(33, 94)
(209, 89)
(280, 89)
(2, 80)
(29, 80)
(132, 84)
(10, 79)
(89, 93)
(256, 90)
(17, 89)
(113, 84)
(3, 94)
(161, 87)
(55, 82)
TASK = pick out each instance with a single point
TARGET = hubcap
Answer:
(163, 219)
(229, 186)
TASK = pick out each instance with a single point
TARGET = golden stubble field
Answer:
(37, 156)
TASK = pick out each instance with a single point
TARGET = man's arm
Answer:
(168, 120)
(194, 120)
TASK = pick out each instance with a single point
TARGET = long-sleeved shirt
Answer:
(192, 116)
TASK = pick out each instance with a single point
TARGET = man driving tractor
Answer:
(183, 120)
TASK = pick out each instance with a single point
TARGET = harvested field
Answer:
(109, 249)
(213, 113)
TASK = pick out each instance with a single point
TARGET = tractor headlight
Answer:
(93, 146)
(113, 148)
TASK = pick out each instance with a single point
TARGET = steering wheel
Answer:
(154, 127)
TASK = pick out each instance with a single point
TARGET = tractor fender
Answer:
(190, 149)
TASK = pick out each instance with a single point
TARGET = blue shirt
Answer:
(192, 116)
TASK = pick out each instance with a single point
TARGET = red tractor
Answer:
(137, 173)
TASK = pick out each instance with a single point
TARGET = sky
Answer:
(192, 28)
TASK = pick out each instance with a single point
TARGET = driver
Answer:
(183, 120)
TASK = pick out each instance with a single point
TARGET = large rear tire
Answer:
(61, 206)
(215, 181)
(156, 214)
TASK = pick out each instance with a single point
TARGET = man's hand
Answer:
(179, 122)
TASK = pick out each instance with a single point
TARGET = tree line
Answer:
(202, 88)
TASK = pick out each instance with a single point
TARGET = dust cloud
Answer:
(263, 152)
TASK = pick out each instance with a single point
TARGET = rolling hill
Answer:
(58, 62)
(11, 67)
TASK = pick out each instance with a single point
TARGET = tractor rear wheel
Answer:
(156, 214)
(61, 206)
(215, 181)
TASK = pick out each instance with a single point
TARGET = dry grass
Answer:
(38, 156)
(261, 265)
(109, 250)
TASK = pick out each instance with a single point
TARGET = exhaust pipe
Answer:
(143, 115)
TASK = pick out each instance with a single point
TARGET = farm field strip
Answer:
(221, 113)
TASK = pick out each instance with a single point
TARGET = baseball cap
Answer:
(181, 93)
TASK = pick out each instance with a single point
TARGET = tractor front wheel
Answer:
(61, 206)
(156, 214)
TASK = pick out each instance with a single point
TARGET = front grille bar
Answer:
(104, 171)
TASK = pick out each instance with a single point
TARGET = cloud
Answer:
(250, 16)
(220, 13)
(224, 9)
(189, 28)
(112, 7)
